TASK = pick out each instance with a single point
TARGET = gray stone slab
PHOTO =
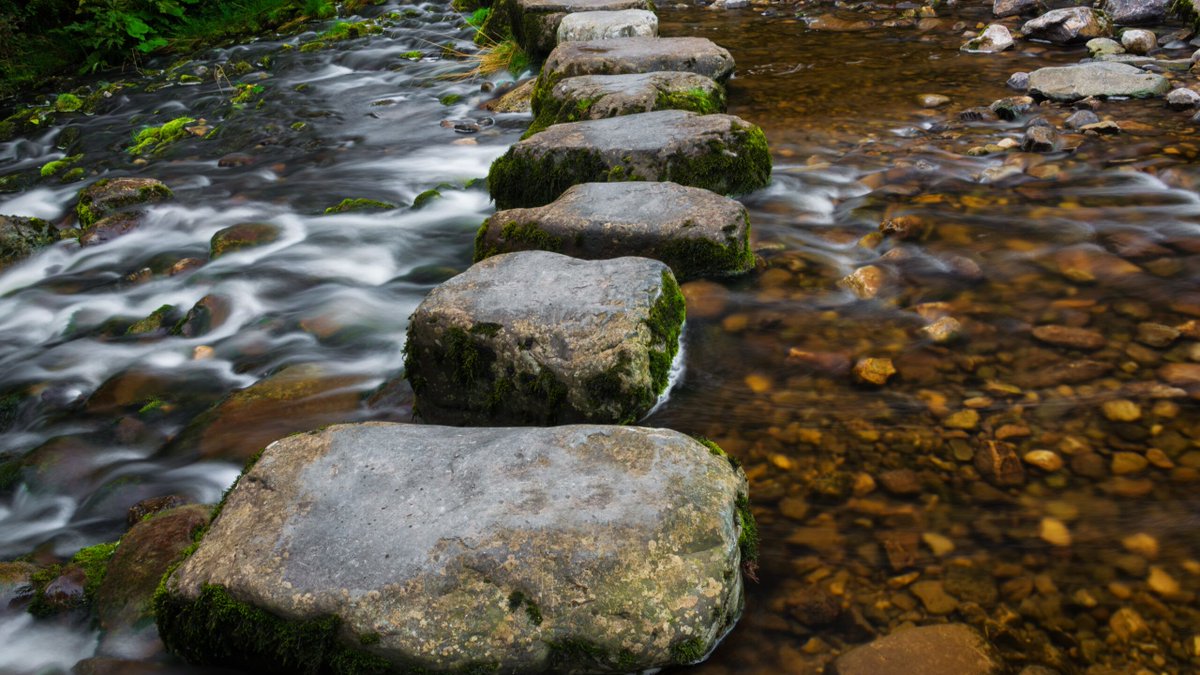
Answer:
(1070, 24)
(722, 153)
(1104, 78)
(604, 25)
(438, 549)
(541, 338)
(694, 231)
(534, 23)
(594, 97)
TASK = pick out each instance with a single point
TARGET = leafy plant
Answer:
(112, 30)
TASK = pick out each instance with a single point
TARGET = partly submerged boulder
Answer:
(947, 649)
(21, 237)
(534, 24)
(594, 97)
(721, 153)
(1103, 78)
(107, 196)
(410, 548)
(540, 338)
(1071, 24)
(696, 232)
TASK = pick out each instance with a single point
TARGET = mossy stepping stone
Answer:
(721, 153)
(584, 26)
(534, 23)
(696, 232)
(107, 196)
(411, 548)
(623, 56)
(541, 338)
(594, 97)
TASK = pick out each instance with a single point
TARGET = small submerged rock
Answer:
(946, 649)
(1104, 78)
(1068, 336)
(993, 39)
(876, 371)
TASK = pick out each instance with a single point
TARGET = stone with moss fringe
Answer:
(622, 56)
(594, 97)
(22, 237)
(412, 548)
(534, 23)
(607, 25)
(107, 196)
(694, 231)
(721, 153)
(243, 236)
(541, 338)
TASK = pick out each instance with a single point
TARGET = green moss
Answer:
(158, 138)
(515, 237)
(665, 322)
(66, 103)
(74, 175)
(567, 654)
(517, 599)
(313, 46)
(423, 199)
(748, 539)
(244, 93)
(524, 181)
(718, 451)
(414, 55)
(23, 238)
(94, 562)
(689, 651)
(450, 99)
(157, 320)
(697, 100)
(745, 170)
(478, 17)
(52, 168)
(368, 639)
(358, 205)
(154, 403)
(691, 258)
(299, 126)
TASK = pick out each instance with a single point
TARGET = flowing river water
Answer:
(877, 505)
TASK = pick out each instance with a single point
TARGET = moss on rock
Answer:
(358, 204)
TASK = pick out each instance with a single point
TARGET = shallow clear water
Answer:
(330, 299)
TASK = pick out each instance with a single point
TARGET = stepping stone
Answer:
(593, 97)
(539, 338)
(633, 55)
(534, 23)
(696, 232)
(409, 548)
(722, 153)
(1073, 83)
(584, 26)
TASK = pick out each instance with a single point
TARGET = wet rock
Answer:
(993, 39)
(834, 363)
(1011, 107)
(593, 97)
(452, 568)
(105, 197)
(1003, 8)
(123, 601)
(933, 596)
(1139, 41)
(998, 463)
(1135, 12)
(1045, 460)
(208, 314)
(1054, 532)
(243, 236)
(625, 56)
(110, 227)
(1089, 465)
(1156, 334)
(874, 371)
(932, 100)
(1103, 46)
(516, 100)
(22, 237)
(607, 25)
(1039, 139)
(721, 153)
(943, 330)
(540, 338)
(1183, 99)
(1068, 336)
(1072, 24)
(813, 606)
(1072, 83)
(900, 482)
(1180, 374)
(66, 592)
(1081, 118)
(946, 649)
(694, 231)
(16, 582)
(865, 282)
(1018, 80)
(1126, 624)
(1121, 410)
(963, 419)
(905, 227)
(1125, 463)
(148, 507)
(534, 24)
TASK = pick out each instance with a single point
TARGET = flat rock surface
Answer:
(569, 549)
(541, 338)
(637, 55)
(594, 97)
(947, 649)
(1070, 24)
(535, 23)
(1072, 83)
(604, 25)
(721, 153)
(695, 231)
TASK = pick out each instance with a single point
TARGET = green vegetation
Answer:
(686, 652)
(92, 561)
(54, 168)
(423, 199)
(244, 93)
(158, 138)
(349, 204)
(478, 17)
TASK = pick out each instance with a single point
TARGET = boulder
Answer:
(946, 649)
(1135, 12)
(593, 97)
(1003, 8)
(1104, 78)
(584, 26)
(721, 153)
(107, 196)
(694, 231)
(243, 236)
(995, 38)
(1098, 47)
(1072, 24)
(534, 23)
(623, 56)
(410, 548)
(110, 227)
(21, 237)
(1139, 40)
(540, 338)
(1183, 99)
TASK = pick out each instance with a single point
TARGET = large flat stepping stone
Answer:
(534, 23)
(623, 56)
(1072, 83)
(584, 26)
(541, 338)
(409, 548)
(696, 232)
(722, 153)
(946, 649)
(594, 97)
